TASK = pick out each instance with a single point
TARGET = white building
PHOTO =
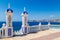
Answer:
(7, 30)
(25, 22)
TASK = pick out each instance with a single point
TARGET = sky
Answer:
(37, 9)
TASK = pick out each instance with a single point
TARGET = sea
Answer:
(17, 25)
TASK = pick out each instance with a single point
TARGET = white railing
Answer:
(55, 25)
(44, 27)
(32, 29)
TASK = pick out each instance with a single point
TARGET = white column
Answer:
(40, 26)
(7, 21)
(48, 24)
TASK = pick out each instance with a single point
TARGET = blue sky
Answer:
(37, 9)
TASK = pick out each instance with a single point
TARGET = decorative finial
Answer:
(24, 8)
(8, 5)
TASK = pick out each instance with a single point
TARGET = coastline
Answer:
(33, 36)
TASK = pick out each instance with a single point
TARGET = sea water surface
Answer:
(17, 25)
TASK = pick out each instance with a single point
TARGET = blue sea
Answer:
(17, 25)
